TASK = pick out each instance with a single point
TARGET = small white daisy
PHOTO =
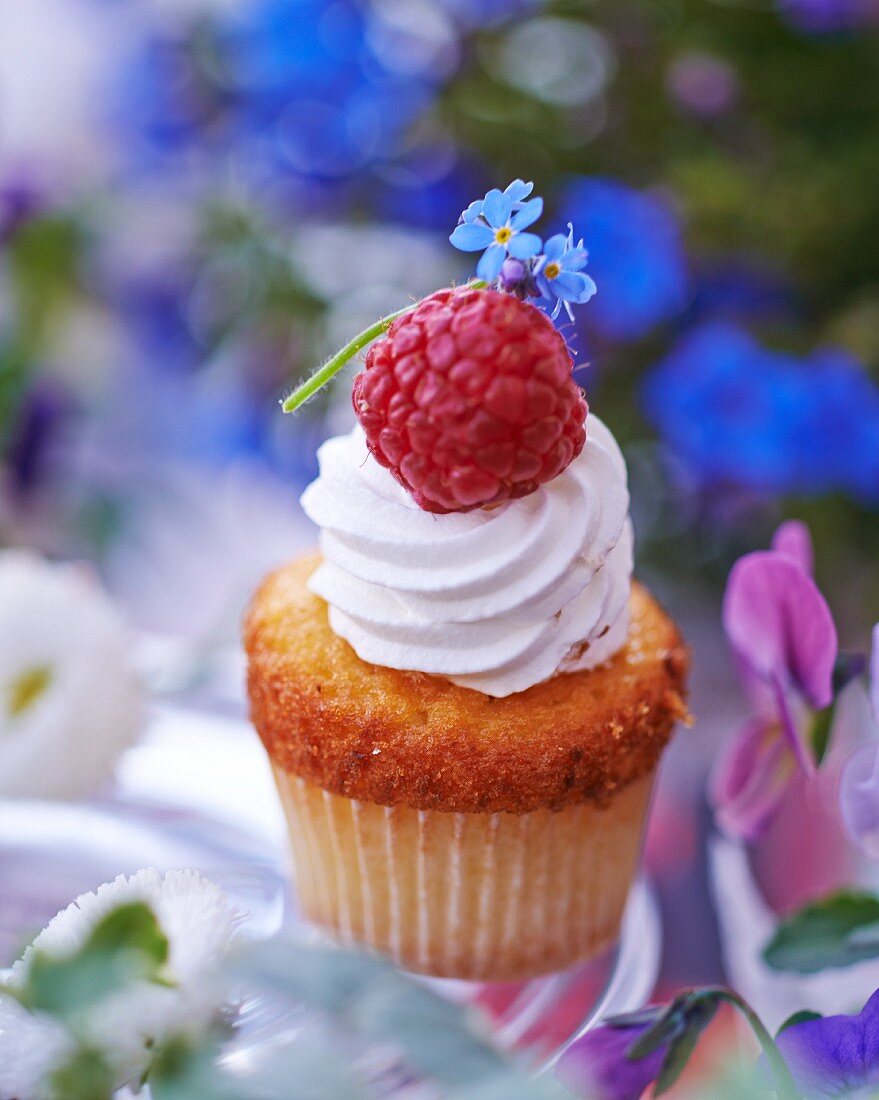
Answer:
(70, 701)
(31, 1047)
(200, 924)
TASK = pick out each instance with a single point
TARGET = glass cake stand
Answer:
(198, 793)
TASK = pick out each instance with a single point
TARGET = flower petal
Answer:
(528, 215)
(491, 262)
(473, 211)
(544, 285)
(801, 748)
(793, 538)
(836, 1055)
(524, 245)
(596, 1065)
(554, 248)
(780, 625)
(496, 208)
(471, 238)
(518, 190)
(748, 780)
(874, 673)
(859, 799)
(575, 259)
(573, 286)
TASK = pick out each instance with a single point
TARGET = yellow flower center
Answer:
(26, 688)
(503, 234)
(552, 270)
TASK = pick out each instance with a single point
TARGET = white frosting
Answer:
(494, 599)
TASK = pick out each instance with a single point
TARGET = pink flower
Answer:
(785, 645)
(859, 783)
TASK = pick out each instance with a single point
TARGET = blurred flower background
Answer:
(200, 199)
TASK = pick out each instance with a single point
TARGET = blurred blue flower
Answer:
(161, 100)
(487, 13)
(735, 412)
(498, 230)
(20, 200)
(299, 85)
(636, 255)
(306, 77)
(829, 16)
(40, 419)
(559, 272)
(740, 287)
(421, 188)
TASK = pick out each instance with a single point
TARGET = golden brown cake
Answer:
(463, 834)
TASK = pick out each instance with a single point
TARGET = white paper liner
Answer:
(480, 896)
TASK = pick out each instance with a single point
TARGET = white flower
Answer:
(31, 1047)
(70, 701)
(200, 924)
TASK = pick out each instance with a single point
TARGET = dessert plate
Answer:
(198, 793)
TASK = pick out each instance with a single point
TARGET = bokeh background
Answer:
(199, 199)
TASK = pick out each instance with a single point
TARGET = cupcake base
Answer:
(484, 896)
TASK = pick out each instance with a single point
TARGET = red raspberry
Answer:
(468, 400)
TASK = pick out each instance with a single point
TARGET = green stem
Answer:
(787, 1089)
(335, 363)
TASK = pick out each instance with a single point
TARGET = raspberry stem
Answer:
(334, 364)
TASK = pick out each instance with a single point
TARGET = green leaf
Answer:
(838, 931)
(677, 1028)
(131, 927)
(638, 1018)
(512, 1085)
(84, 1076)
(126, 946)
(669, 1025)
(822, 723)
(186, 1070)
(311, 1059)
(699, 1014)
(804, 1016)
(372, 999)
(43, 257)
(847, 667)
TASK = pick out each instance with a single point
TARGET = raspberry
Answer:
(469, 401)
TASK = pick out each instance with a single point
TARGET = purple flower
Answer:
(703, 84)
(559, 272)
(517, 278)
(20, 200)
(793, 539)
(596, 1066)
(785, 644)
(835, 1055)
(498, 230)
(859, 782)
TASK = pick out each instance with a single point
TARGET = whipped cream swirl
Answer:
(496, 600)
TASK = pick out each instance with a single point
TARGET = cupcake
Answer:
(463, 694)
